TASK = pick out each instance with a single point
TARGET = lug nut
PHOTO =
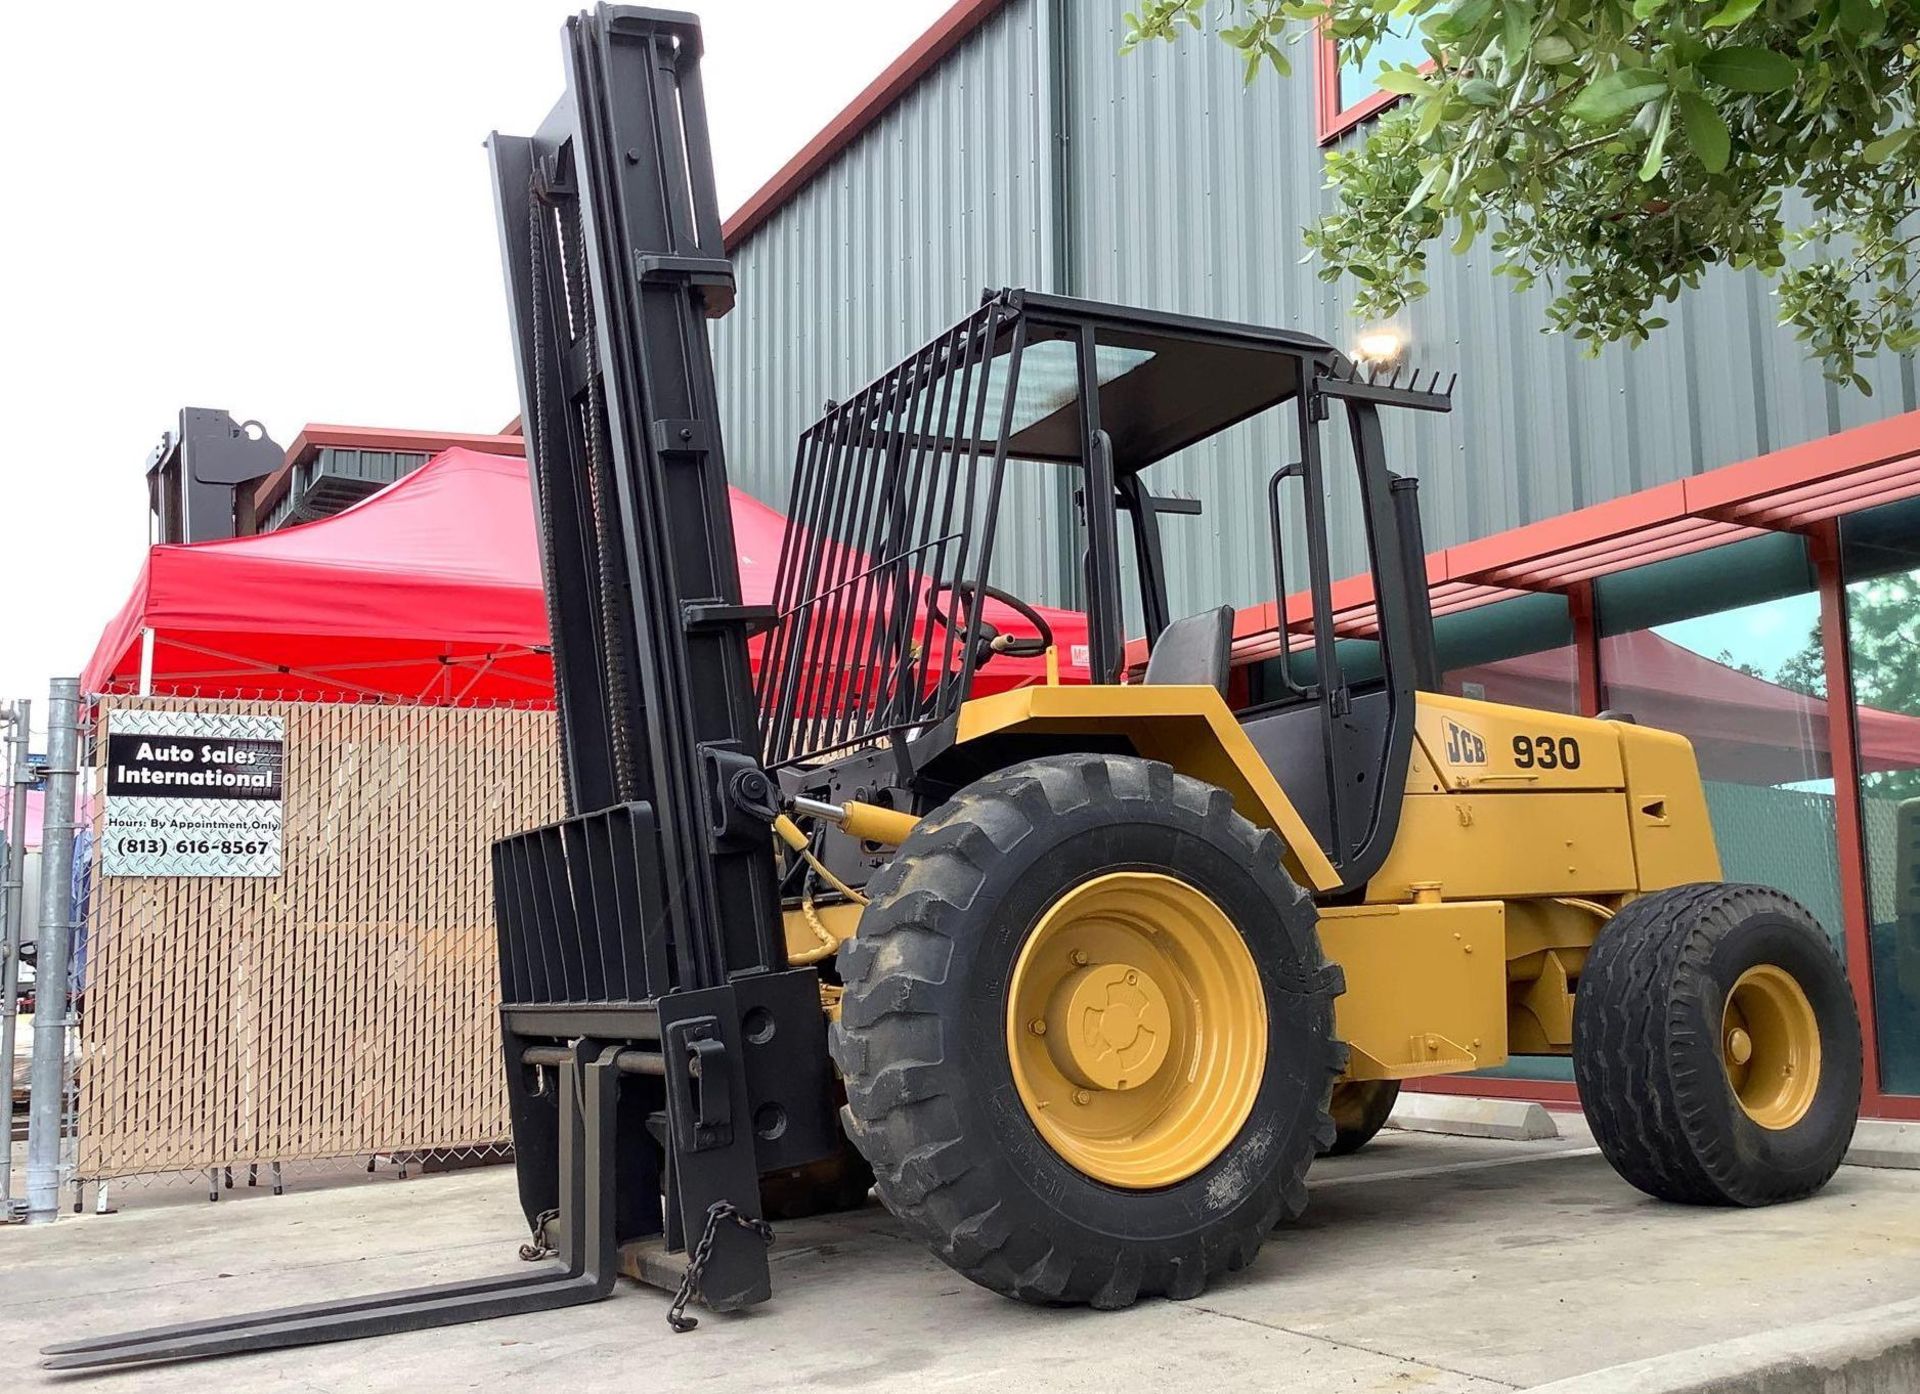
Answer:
(1081, 1096)
(1037, 1026)
(1080, 958)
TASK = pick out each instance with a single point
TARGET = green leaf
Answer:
(1889, 145)
(1732, 13)
(1707, 131)
(1429, 118)
(1480, 91)
(1647, 9)
(1516, 28)
(1657, 149)
(1404, 81)
(1749, 68)
(1551, 49)
(1456, 24)
(1862, 17)
(1426, 187)
(1607, 99)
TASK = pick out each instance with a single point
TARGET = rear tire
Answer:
(1716, 1047)
(929, 1052)
(1359, 1108)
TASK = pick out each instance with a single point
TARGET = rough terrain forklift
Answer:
(1086, 975)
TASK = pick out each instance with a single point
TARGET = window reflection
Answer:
(1881, 561)
(1724, 647)
(1518, 651)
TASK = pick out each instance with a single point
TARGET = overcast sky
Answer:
(284, 211)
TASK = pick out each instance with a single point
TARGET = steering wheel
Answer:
(992, 641)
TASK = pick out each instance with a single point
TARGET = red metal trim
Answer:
(1586, 647)
(1333, 119)
(925, 53)
(1805, 469)
(315, 437)
(1856, 916)
(1553, 1092)
(1691, 515)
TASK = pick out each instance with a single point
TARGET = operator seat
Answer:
(1194, 651)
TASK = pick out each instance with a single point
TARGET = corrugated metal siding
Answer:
(1187, 192)
(1190, 192)
(944, 196)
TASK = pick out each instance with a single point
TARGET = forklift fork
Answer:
(584, 1271)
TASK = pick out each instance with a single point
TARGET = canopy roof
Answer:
(428, 591)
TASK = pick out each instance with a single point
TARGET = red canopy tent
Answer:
(428, 591)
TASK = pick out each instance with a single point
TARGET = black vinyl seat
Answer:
(1194, 651)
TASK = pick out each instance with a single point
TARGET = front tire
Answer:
(1155, 932)
(1717, 1048)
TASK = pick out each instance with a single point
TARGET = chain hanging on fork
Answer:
(720, 1210)
(540, 1246)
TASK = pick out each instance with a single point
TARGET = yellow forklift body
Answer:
(1520, 834)
(1190, 728)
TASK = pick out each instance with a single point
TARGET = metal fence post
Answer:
(12, 932)
(52, 997)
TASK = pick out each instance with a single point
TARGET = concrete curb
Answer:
(1514, 1120)
(1875, 1351)
(1879, 1143)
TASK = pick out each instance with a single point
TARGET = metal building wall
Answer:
(1186, 190)
(946, 195)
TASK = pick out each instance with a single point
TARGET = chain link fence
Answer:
(344, 1009)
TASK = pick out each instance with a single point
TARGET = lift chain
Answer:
(720, 1210)
(539, 1247)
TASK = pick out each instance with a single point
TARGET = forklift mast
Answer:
(650, 916)
(658, 1047)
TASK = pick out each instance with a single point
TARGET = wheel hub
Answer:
(1136, 1028)
(1770, 1046)
(1109, 1026)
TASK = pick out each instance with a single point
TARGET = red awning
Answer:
(429, 591)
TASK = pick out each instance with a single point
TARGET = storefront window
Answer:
(1724, 647)
(1881, 564)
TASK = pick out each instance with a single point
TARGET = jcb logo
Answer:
(1464, 747)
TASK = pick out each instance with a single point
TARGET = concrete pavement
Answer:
(1426, 1263)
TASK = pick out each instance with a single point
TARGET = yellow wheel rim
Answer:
(1770, 1046)
(1136, 1028)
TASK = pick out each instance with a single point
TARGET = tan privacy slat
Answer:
(346, 1007)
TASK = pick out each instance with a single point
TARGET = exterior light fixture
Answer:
(1380, 345)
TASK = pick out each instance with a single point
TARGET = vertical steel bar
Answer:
(878, 470)
(894, 541)
(11, 913)
(900, 698)
(986, 328)
(1848, 816)
(828, 598)
(51, 993)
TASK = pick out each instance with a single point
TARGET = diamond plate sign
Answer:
(194, 794)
